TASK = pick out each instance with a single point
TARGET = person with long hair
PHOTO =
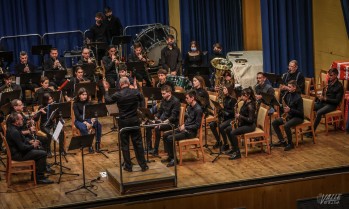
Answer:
(194, 56)
(84, 125)
(227, 115)
(202, 96)
(45, 83)
(246, 122)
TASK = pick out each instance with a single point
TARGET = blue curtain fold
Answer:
(43, 16)
(287, 34)
(208, 22)
(345, 8)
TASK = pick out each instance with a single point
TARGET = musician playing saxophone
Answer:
(8, 85)
(331, 97)
(227, 114)
(295, 115)
(246, 122)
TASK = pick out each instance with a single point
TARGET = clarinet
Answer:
(29, 128)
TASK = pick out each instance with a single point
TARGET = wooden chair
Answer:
(17, 166)
(308, 107)
(308, 82)
(211, 118)
(179, 89)
(335, 117)
(262, 130)
(194, 144)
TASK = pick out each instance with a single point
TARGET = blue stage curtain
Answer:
(287, 34)
(345, 7)
(208, 22)
(42, 16)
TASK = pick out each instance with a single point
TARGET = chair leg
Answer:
(296, 133)
(268, 147)
(246, 147)
(180, 155)
(203, 156)
(326, 125)
(313, 132)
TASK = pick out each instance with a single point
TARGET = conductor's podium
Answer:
(158, 176)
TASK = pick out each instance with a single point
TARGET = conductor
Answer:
(128, 101)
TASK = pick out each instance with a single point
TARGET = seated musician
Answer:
(86, 61)
(22, 149)
(227, 79)
(245, 122)
(8, 85)
(70, 87)
(262, 87)
(139, 56)
(331, 97)
(162, 79)
(167, 112)
(188, 130)
(202, 96)
(227, 115)
(85, 125)
(55, 63)
(123, 74)
(44, 82)
(293, 73)
(293, 115)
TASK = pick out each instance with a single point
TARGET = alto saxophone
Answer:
(234, 123)
(284, 105)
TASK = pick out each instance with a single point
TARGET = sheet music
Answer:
(57, 131)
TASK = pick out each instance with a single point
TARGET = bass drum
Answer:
(153, 40)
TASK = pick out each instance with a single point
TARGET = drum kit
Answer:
(180, 81)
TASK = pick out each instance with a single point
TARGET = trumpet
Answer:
(57, 64)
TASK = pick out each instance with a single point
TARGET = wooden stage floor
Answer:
(328, 152)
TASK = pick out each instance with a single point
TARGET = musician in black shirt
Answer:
(44, 82)
(55, 63)
(187, 130)
(294, 111)
(22, 150)
(202, 96)
(128, 101)
(171, 57)
(111, 64)
(293, 73)
(24, 66)
(8, 85)
(113, 24)
(139, 56)
(163, 80)
(168, 112)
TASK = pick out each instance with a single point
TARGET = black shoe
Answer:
(97, 147)
(144, 168)
(280, 144)
(166, 160)
(90, 150)
(229, 152)
(171, 163)
(128, 169)
(235, 155)
(217, 145)
(225, 147)
(44, 181)
(289, 147)
(49, 170)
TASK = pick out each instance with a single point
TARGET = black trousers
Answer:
(321, 109)
(157, 130)
(136, 141)
(239, 131)
(288, 125)
(222, 130)
(142, 75)
(179, 135)
(39, 156)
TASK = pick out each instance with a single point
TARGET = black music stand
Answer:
(271, 101)
(119, 40)
(6, 56)
(148, 116)
(135, 67)
(95, 111)
(6, 97)
(152, 93)
(219, 108)
(56, 95)
(80, 142)
(274, 79)
(89, 86)
(55, 75)
(30, 78)
(89, 70)
(41, 50)
(98, 45)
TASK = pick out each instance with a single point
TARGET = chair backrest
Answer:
(262, 117)
(182, 113)
(213, 96)
(200, 129)
(8, 151)
(307, 86)
(308, 107)
(3, 126)
(323, 78)
(240, 103)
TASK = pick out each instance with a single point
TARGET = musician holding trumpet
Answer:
(293, 115)
(55, 63)
(111, 63)
(139, 56)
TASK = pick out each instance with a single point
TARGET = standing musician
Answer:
(171, 57)
(128, 101)
(44, 82)
(194, 57)
(262, 87)
(139, 56)
(201, 94)
(163, 80)
(187, 130)
(22, 150)
(227, 114)
(55, 63)
(87, 62)
(245, 122)
(217, 52)
(98, 34)
(293, 115)
(331, 97)
(168, 112)
(8, 85)
(113, 24)
(86, 125)
(111, 63)
(293, 73)
(24, 66)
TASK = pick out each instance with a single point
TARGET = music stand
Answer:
(180, 96)
(55, 75)
(89, 70)
(274, 78)
(119, 41)
(90, 87)
(30, 78)
(101, 45)
(41, 50)
(148, 116)
(219, 108)
(6, 56)
(5, 109)
(56, 96)
(6, 97)
(271, 101)
(135, 67)
(152, 93)
(64, 109)
(95, 111)
(80, 142)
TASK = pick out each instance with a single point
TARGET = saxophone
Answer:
(284, 115)
(8, 88)
(234, 123)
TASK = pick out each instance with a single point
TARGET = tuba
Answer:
(221, 65)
